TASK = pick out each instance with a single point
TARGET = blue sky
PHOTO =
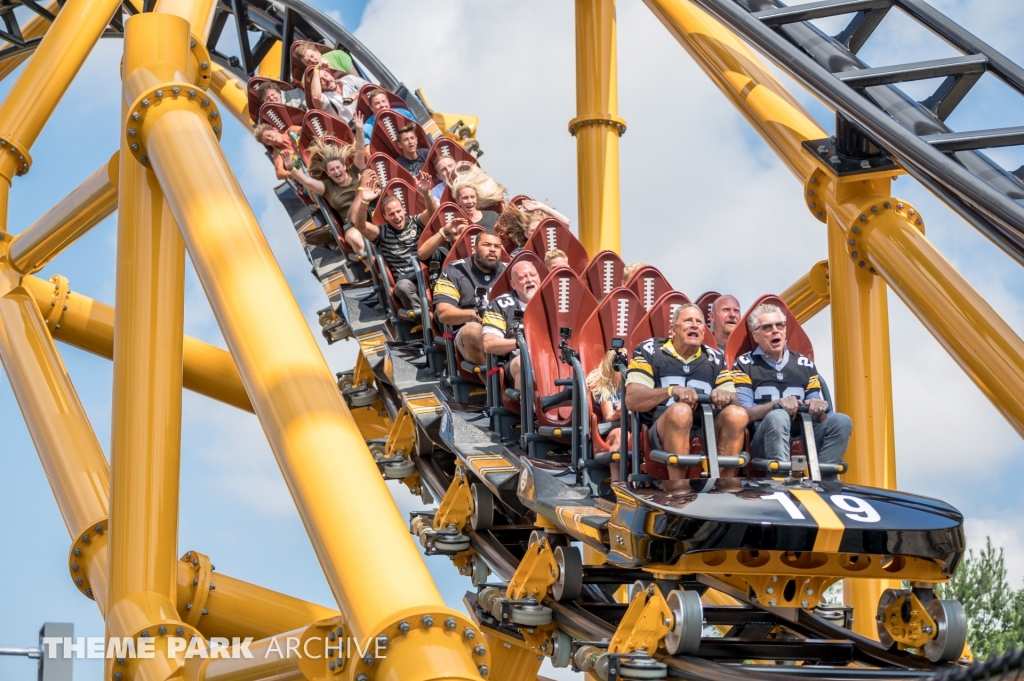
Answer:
(690, 168)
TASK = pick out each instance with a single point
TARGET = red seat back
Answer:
(705, 301)
(656, 323)
(616, 316)
(363, 104)
(561, 301)
(519, 200)
(319, 125)
(254, 98)
(649, 284)
(604, 273)
(444, 214)
(385, 133)
(741, 342)
(504, 283)
(281, 116)
(552, 234)
(404, 192)
(387, 169)
(446, 147)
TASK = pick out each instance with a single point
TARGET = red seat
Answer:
(446, 147)
(741, 342)
(444, 214)
(385, 133)
(363, 104)
(338, 75)
(604, 273)
(317, 125)
(649, 284)
(387, 169)
(705, 301)
(254, 98)
(519, 200)
(562, 301)
(466, 244)
(404, 192)
(281, 116)
(552, 234)
(616, 316)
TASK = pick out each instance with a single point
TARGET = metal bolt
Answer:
(120, 660)
(819, 214)
(403, 627)
(159, 93)
(118, 676)
(204, 65)
(332, 665)
(79, 581)
(449, 624)
(332, 636)
(822, 149)
(85, 538)
(368, 659)
(180, 631)
(88, 593)
(855, 230)
(428, 621)
(855, 254)
(145, 102)
(195, 561)
(874, 209)
(834, 160)
(362, 677)
(804, 604)
(482, 669)
(927, 629)
(853, 242)
(77, 552)
(74, 567)
(814, 180)
(810, 592)
(135, 147)
(918, 222)
(205, 611)
(216, 130)
(769, 590)
(191, 93)
(192, 43)
(810, 192)
(214, 115)
(383, 641)
(771, 602)
(20, 157)
(136, 116)
(774, 579)
(162, 630)
(911, 212)
(176, 90)
(899, 206)
(469, 634)
(862, 264)
(131, 132)
(144, 160)
(813, 204)
(195, 582)
(863, 218)
(619, 540)
(213, 587)
(865, 164)
(205, 102)
(3, 143)
(188, 606)
(144, 634)
(887, 205)
(872, 270)
(480, 650)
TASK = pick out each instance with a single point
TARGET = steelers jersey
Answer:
(459, 281)
(656, 364)
(500, 316)
(759, 382)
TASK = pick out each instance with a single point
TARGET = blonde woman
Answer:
(474, 189)
(605, 383)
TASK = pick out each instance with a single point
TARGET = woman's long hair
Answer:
(605, 381)
(320, 154)
(512, 225)
(488, 192)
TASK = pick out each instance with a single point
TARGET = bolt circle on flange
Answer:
(867, 214)
(86, 543)
(21, 160)
(159, 100)
(817, 181)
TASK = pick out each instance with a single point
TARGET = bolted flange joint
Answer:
(14, 155)
(867, 218)
(608, 120)
(154, 638)
(88, 542)
(417, 623)
(150, 105)
(199, 69)
(814, 194)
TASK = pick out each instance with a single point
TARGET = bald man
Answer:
(725, 317)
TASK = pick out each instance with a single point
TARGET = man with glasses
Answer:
(772, 382)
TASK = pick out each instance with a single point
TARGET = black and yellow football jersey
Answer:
(499, 317)
(758, 380)
(656, 364)
(459, 281)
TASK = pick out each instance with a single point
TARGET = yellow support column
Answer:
(381, 583)
(76, 214)
(231, 93)
(810, 294)
(597, 126)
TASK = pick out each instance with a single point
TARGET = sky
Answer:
(692, 172)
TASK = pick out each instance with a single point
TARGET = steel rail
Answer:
(981, 191)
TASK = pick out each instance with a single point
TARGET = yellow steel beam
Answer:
(322, 456)
(809, 294)
(597, 126)
(88, 325)
(270, 67)
(34, 96)
(231, 93)
(36, 26)
(76, 214)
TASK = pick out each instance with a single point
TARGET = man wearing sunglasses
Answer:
(773, 382)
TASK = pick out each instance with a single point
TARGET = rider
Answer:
(499, 320)
(672, 372)
(457, 293)
(725, 317)
(772, 382)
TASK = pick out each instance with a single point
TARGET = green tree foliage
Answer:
(995, 611)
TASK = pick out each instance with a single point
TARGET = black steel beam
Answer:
(808, 650)
(922, 70)
(817, 10)
(861, 27)
(977, 139)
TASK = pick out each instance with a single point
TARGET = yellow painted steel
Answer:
(36, 26)
(270, 67)
(78, 212)
(323, 459)
(88, 325)
(597, 125)
(46, 77)
(810, 294)
(231, 94)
